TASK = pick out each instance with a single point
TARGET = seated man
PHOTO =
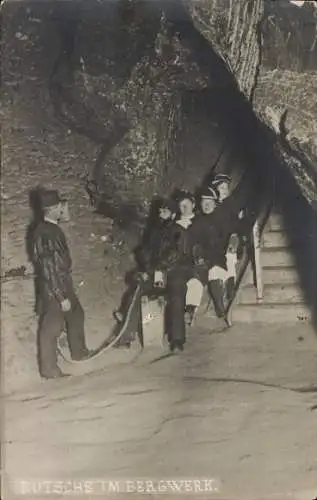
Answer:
(177, 260)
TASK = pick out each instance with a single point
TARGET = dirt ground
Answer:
(237, 407)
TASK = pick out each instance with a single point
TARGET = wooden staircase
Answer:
(282, 299)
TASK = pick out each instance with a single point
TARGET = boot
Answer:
(55, 374)
(230, 285)
(84, 355)
(216, 290)
(176, 345)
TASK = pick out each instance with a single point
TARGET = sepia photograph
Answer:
(159, 249)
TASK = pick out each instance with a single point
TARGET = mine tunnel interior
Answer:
(218, 129)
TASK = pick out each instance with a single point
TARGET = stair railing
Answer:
(256, 240)
(251, 252)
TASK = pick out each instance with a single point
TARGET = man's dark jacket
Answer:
(52, 262)
(177, 249)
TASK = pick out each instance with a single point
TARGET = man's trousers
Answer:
(51, 324)
(177, 288)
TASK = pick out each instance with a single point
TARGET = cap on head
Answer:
(209, 192)
(220, 179)
(50, 198)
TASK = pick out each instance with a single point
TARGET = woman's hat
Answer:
(221, 178)
(209, 192)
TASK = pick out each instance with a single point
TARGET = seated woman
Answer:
(234, 216)
(147, 279)
(219, 219)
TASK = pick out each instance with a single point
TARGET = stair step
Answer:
(277, 256)
(271, 313)
(273, 274)
(276, 222)
(277, 274)
(275, 239)
(273, 293)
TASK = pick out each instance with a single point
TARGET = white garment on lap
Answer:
(158, 277)
(218, 273)
(194, 292)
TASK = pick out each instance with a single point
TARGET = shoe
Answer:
(220, 314)
(120, 345)
(82, 357)
(177, 345)
(228, 322)
(58, 374)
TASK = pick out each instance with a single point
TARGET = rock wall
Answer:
(233, 29)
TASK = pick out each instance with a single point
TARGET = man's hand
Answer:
(159, 284)
(200, 261)
(158, 279)
(66, 305)
(145, 276)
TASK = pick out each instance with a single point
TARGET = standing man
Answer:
(58, 303)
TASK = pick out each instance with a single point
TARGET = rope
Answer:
(108, 343)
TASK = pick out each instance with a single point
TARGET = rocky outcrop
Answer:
(121, 77)
(233, 30)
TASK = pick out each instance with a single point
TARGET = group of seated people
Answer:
(194, 243)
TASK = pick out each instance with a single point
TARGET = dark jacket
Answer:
(178, 247)
(149, 253)
(52, 261)
(212, 232)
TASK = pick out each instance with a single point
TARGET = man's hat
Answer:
(209, 192)
(220, 178)
(50, 198)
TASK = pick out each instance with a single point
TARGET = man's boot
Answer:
(57, 373)
(176, 345)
